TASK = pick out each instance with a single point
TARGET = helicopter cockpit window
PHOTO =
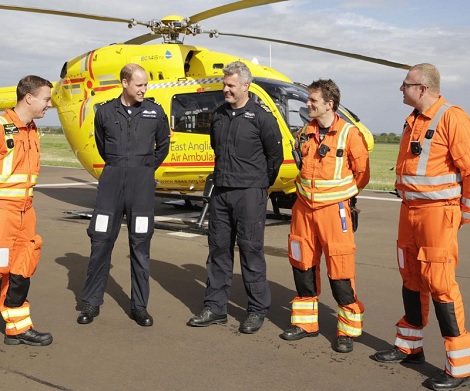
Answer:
(289, 98)
(192, 113)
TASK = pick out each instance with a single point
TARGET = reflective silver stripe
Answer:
(349, 330)
(462, 370)
(15, 312)
(406, 344)
(304, 305)
(15, 193)
(433, 195)
(8, 158)
(458, 353)
(465, 201)
(305, 182)
(302, 191)
(23, 323)
(465, 215)
(429, 180)
(406, 332)
(350, 315)
(304, 319)
(343, 135)
(16, 178)
(426, 147)
(337, 195)
(334, 182)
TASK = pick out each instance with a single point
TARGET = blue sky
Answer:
(407, 31)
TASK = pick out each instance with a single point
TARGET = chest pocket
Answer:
(247, 138)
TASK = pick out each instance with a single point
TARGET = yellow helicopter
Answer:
(187, 81)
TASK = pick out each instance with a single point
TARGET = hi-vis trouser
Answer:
(312, 233)
(427, 253)
(20, 250)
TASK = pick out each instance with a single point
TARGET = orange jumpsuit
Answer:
(321, 222)
(20, 247)
(433, 180)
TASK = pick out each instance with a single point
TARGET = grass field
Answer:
(382, 167)
(55, 151)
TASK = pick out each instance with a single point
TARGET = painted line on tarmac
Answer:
(68, 184)
(380, 198)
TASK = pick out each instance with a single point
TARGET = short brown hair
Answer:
(29, 85)
(329, 91)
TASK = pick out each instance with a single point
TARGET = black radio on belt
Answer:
(323, 150)
(415, 147)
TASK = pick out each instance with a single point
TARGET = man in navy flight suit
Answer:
(248, 154)
(132, 137)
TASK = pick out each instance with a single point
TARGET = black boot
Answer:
(88, 313)
(443, 381)
(30, 337)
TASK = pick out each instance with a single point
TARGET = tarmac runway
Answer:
(114, 353)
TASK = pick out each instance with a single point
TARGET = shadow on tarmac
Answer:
(83, 198)
(76, 266)
(187, 284)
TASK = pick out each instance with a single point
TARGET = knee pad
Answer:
(342, 291)
(17, 291)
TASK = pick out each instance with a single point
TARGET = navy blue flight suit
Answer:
(248, 150)
(132, 145)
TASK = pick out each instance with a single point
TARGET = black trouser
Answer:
(237, 214)
(129, 191)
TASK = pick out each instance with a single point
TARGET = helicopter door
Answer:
(191, 157)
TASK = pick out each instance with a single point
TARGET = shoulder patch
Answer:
(153, 101)
(106, 101)
(266, 108)
(10, 128)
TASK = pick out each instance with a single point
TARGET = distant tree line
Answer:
(383, 138)
(51, 130)
(386, 138)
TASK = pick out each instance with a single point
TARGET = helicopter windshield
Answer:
(291, 100)
(192, 112)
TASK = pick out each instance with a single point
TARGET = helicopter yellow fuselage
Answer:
(187, 82)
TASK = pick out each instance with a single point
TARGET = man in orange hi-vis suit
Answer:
(333, 159)
(20, 246)
(433, 180)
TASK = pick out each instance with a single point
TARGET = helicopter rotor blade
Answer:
(71, 14)
(142, 39)
(224, 9)
(331, 51)
(237, 5)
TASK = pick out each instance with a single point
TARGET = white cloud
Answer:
(406, 32)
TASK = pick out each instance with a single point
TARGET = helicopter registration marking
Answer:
(153, 57)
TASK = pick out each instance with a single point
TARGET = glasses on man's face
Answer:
(405, 85)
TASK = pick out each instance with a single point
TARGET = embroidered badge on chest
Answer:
(149, 114)
(249, 115)
(10, 129)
